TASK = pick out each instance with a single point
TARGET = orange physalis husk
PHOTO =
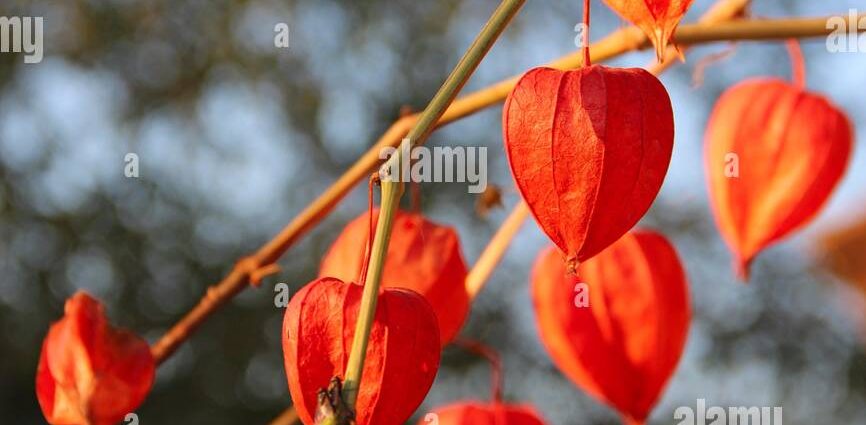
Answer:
(589, 150)
(774, 154)
(422, 256)
(89, 372)
(480, 413)
(402, 355)
(484, 413)
(623, 346)
(658, 19)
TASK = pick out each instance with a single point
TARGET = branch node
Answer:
(254, 270)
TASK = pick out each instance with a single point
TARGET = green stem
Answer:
(392, 186)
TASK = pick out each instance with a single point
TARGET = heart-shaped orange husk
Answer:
(624, 346)
(402, 355)
(90, 372)
(422, 256)
(658, 19)
(478, 413)
(589, 150)
(774, 154)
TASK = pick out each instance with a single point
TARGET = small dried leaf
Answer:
(843, 253)
(488, 200)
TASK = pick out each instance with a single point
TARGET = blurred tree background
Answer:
(236, 136)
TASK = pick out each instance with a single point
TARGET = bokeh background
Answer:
(235, 137)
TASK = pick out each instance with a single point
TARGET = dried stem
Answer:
(627, 39)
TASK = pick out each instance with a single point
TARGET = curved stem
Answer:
(362, 274)
(495, 364)
(391, 175)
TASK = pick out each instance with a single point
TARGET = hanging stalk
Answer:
(391, 176)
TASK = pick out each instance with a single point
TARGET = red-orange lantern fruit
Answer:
(658, 19)
(484, 413)
(402, 355)
(90, 372)
(624, 344)
(774, 154)
(589, 150)
(479, 413)
(422, 256)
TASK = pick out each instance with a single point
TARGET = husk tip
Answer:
(571, 265)
(742, 268)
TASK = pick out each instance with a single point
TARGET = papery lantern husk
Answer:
(658, 19)
(89, 372)
(589, 150)
(422, 256)
(402, 355)
(480, 413)
(624, 346)
(774, 154)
